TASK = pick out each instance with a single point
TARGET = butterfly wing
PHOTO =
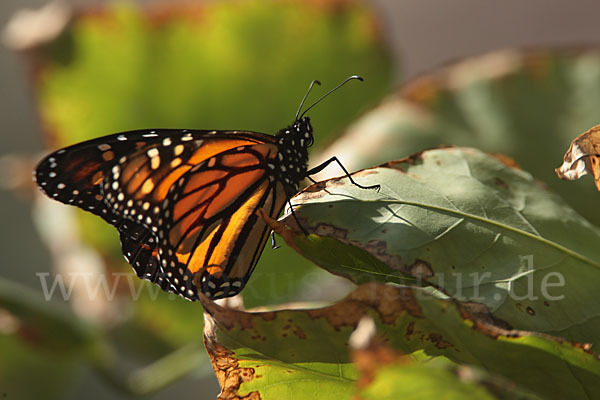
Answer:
(125, 178)
(211, 229)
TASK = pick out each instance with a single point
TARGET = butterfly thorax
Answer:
(292, 160)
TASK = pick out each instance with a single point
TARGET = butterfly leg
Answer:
(273, 244)
(322, 166)
(296, 218)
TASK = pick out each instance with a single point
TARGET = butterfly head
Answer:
(301, 126)
(304, 131)
(297, 137)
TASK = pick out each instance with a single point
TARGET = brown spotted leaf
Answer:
(583, 157)
(304, 354)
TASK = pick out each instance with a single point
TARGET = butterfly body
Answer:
(184, 202)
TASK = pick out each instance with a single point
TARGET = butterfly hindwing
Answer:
(139, 249)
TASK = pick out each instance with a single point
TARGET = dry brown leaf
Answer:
(583, 157)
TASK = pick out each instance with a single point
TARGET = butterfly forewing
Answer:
(137, 185)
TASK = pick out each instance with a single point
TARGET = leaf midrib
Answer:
(510, 228)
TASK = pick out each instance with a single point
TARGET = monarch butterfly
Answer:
(185, 201)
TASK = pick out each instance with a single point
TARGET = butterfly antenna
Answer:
(328, 93)
(306, 95)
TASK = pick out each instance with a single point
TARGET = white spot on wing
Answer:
(177, 150)
(155, 162)
(153, 152)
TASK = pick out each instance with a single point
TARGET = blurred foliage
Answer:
(528, 105)
(39, 339)
(240, 65)
(21, 364)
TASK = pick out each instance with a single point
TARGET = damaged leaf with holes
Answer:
(471, 225)
(305, 354)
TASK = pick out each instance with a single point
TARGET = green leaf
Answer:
(41, 342)
(305, 353)
(467, 223)
(21, 364)
(43, 324)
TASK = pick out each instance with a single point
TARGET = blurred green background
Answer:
(387, 41)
